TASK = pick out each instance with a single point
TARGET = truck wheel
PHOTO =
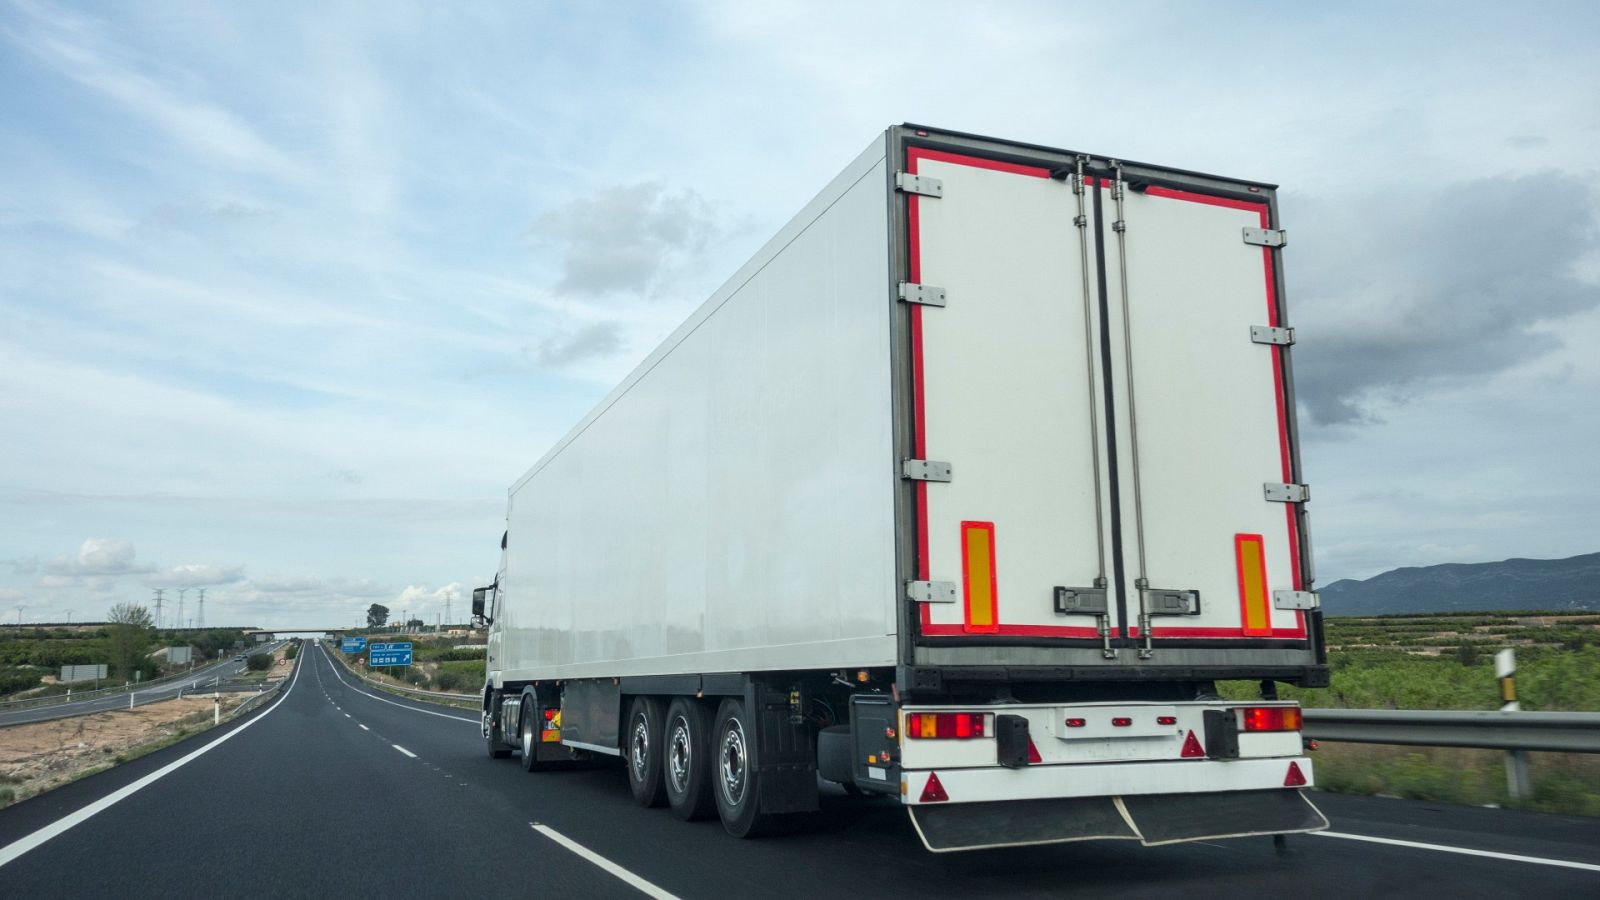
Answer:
(491, 731)
(686, 759)
(641, 750)
(528, 734)
(738, 787)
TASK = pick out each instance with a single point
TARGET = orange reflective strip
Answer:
(977, 570)
(1255, 615)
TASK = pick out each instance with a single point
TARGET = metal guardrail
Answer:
(97, 693)
(1560, 732)
(404, 689)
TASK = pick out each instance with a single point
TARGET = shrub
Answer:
(259, 662)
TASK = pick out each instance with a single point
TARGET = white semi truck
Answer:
(966, 489)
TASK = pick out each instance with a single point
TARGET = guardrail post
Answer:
(1505, 669)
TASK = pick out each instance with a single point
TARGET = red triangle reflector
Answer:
(1295, 778)
(933, 791)
(1033, 753)
(1192, 748)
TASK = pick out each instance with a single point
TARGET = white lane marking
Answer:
(634, 881)
(22, 845)
(404, 750)
(1513, 857)
(347, 715)
(363, 727)
(426, 712)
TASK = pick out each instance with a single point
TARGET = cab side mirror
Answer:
(477, 602)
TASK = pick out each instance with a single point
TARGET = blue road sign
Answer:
(353, 644)
(396, 654)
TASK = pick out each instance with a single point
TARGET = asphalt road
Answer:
(334, 789)
(192, 681)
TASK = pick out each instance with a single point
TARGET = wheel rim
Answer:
(733, 762)
(679, 756)
(639, 748)
(527, 738)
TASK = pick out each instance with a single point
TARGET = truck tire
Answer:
(641, 751)
(528, 734)
(491, 730)
(737, 783)
(686, 760)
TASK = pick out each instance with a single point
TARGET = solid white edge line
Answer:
(1491, 854)
(17, 848)
(632, 880)
(404, 750)
(426, 712)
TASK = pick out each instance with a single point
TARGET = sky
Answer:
(291, 293)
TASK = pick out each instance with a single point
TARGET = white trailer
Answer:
(966, 489)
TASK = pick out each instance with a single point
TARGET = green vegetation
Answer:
(258, 662)
(291, 651)
(1447, 662)
(126, 645)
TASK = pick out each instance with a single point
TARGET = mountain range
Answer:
(1512, 584)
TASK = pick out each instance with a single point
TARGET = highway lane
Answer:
(162, 691)
(387, 795)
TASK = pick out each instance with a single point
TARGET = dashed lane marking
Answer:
(404, 750)
(645, 887)
(363, 727)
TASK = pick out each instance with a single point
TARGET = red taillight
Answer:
(1075, 723)
(933, 791)
(1166, 720)
(946, 725)
(549, 715)
(1271, 718)
(1121, 721)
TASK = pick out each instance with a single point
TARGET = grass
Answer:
(1446, 662)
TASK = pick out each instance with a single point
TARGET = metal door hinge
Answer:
(919, 184)
(926, 294)
(1270, 334)
(1266, 237)
(925, 470)
(931, 591)
(1296, 600)
(1286, 493)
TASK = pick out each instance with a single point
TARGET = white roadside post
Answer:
(216, 708)
(1505, 669)
(130, 699)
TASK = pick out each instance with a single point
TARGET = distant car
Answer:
(239, 658)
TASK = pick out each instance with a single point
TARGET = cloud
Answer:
(1393, 294)
(626, 239)
(595, 339)
(198, 575)
(97, 557)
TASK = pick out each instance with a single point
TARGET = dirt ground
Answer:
(37, 757)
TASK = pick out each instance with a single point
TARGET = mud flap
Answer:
(1173, 818)
(1154, 819)
(1019, 823)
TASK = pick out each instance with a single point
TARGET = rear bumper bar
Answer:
(1104, 779)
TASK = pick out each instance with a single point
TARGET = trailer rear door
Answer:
(1007, 392)
(1208, 498)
